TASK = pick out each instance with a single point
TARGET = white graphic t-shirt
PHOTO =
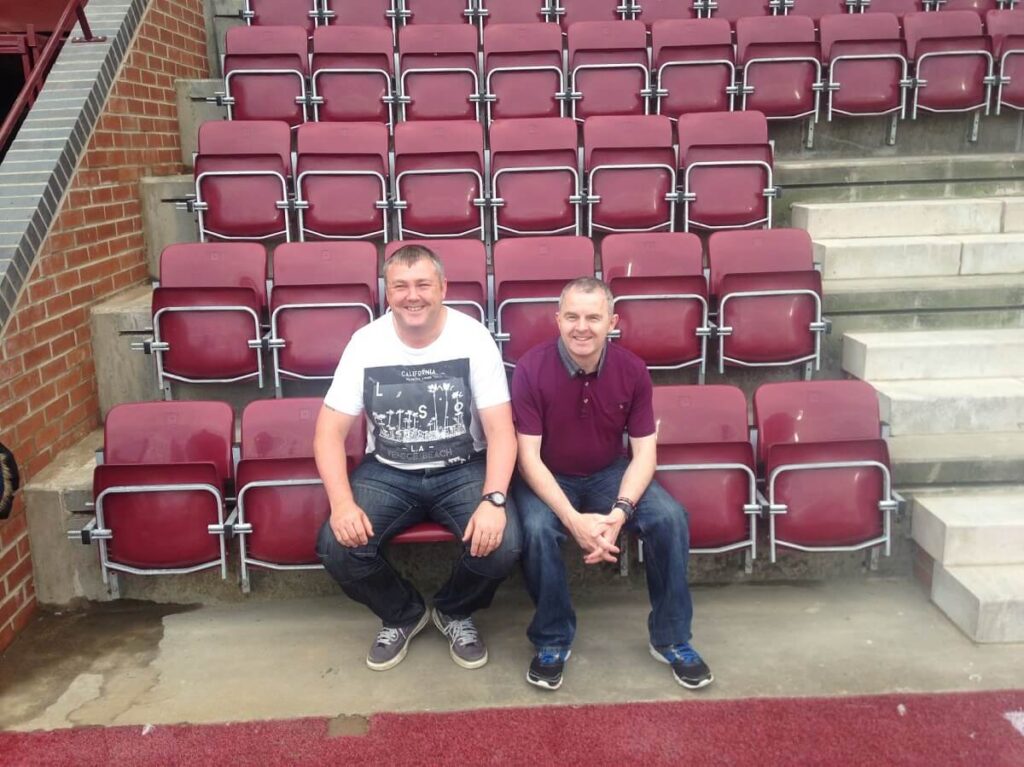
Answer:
(421, 405)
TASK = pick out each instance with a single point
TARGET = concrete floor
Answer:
(139, 663)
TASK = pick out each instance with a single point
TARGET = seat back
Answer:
(652, 11)
(732, 10)
(898, 8)
(365, 13)
(529, 274)
(700, 415)
(814, 411)
(608, 66)
(282, 13)
(773, 85)
(530, 93)
(451, 12)
(751, 251)
(922, 28)
(465, 268)
(694, 61)
(1006, 28)
(260, 95)
(280, 428)
(440, 95)
(571, 12)
(816, 9)
(353, 95)
(500, 12)
(215, 265)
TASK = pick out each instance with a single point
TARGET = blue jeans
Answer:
(395, 499)
(659, 520)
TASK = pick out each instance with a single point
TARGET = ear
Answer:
(613, 322)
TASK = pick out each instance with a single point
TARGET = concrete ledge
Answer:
(192, 114)
(162, 224)
(899, 218)
(957, 459)
(986, 603)
(952, 405)
(922, 354)
(920, 294)
(976, 527)
(1013, 215)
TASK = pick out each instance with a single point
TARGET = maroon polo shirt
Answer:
(581, 416)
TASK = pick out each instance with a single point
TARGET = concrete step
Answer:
(985, 602)
(957, 459)
(952, 405)
(896, 218)
(975, 353)
(975, 527)
(924, 294)
(1013, 214)
(875, 257)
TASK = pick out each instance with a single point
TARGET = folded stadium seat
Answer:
(342, 180)
(706, 462)
(726, 166)
(535, 177)
(867, 66)
(281, 499)
(523, 71)
(1006, 28)
(282, 13)
(898, 8)
(159, 489)
(323, 292)
(437, 11)
(825, 466)
(953, 65)
(440, 187)
(361, 13)
(512, 11)
(529, 274)
(265, 72)
(695, 66)
(609, 69)
(981, 7)
(780, 64)
(631, 179)
(207, 314)
(242, 175)
(652, 11)
(465, 269)
(438, 76)
(353, 75)
(768, 297)
(661, 297)
(733, 10)
(815, 9)
(569, 12)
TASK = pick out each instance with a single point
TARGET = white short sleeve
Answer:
(346, 392)
(487, 372)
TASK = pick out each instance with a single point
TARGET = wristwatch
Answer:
(496, 498)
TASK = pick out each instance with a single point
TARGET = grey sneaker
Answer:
(391, 645)
(467, 648)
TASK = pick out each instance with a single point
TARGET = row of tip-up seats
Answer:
(863, 64)
(536, 178)
(759, 301)
(170, 492)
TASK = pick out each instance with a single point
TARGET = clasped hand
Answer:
(596, 534)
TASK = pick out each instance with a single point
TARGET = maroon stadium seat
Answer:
(159, 489)
(323, 292)
(1006, 28)
(242, 175)
(529, 274)
(706, 462)
(361, 13)
(858, 85)
(512, 11)
(438, 74)
(780, 64)
(825, 465)
(353, 75)
(437, 11)
(523, 71)
(342, 180)
(569, 12)
(465, 268)
(281, 13)
(695, 66)
(207, 314)
(661, 297)
(535, 178)
(733, 10)
(652, 11)
(726, 170)
(768, 295)
(440, 184)
(609, 69)
(265, 73)
(630, 167)
(816, 9)
(898, 8)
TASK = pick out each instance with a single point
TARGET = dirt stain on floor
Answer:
(348, 725)
(56, 648)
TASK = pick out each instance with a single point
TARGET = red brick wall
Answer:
(94, 249)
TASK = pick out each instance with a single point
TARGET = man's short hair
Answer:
(588, 285)
(407, 255)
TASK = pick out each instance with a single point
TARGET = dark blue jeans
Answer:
(659, 520)
(395, 499)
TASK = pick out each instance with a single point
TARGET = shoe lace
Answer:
(685, 653)
(461, 631)
(551, 657)
(387, 636)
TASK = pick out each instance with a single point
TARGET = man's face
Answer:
(584, 321)
(416, 295)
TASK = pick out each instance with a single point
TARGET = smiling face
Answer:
(416, 294)
(584, 321)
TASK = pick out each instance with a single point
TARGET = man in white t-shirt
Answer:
(440, 445)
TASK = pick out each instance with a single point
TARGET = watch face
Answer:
(497, 498)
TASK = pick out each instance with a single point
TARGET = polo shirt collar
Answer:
(570, 364)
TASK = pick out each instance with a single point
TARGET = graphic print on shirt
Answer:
(420, 413)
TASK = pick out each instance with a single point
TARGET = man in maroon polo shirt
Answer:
(573, 398)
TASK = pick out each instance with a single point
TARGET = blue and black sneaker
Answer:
(688, 667)
(546, 669)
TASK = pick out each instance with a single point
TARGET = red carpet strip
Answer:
(940, 729)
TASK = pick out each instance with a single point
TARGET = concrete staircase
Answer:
(942, 340)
